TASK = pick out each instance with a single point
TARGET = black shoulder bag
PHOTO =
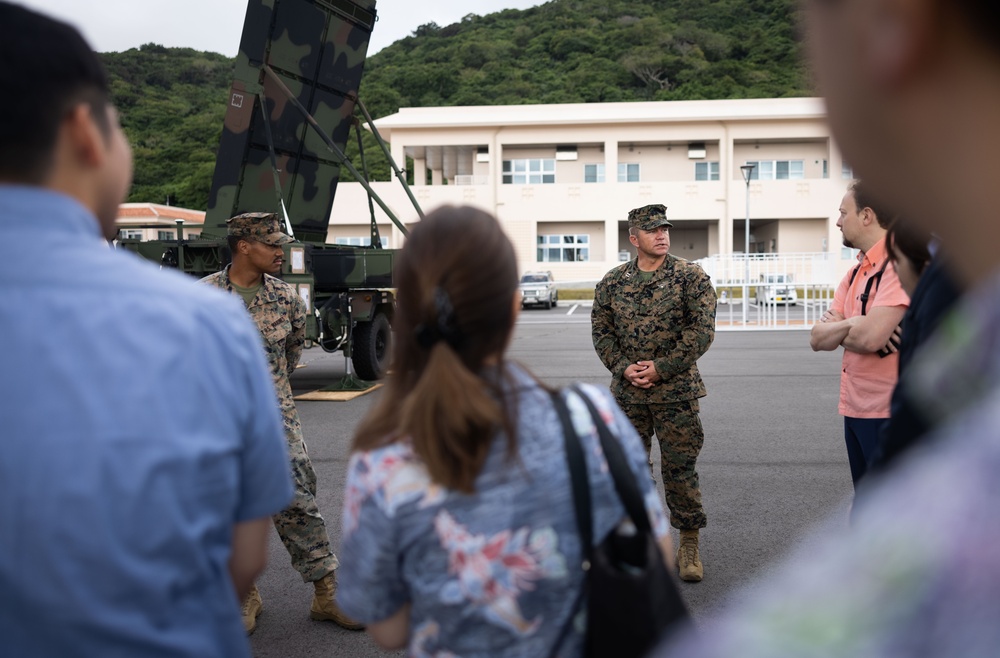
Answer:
(632, 599)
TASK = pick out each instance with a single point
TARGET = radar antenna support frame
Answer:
(332, 146)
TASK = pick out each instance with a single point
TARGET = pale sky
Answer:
(216, 25)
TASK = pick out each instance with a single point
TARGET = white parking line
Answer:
(572, 308)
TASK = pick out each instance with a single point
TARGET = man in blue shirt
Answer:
(142, 453)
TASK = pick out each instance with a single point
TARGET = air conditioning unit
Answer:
(566, 153)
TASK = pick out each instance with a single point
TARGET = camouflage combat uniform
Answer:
(668, 317)
(280, 315)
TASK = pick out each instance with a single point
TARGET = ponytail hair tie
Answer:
(443, 328)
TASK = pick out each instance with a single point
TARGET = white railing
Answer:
(804, 292)
(811, 301)
(803, 282)
(801, 268)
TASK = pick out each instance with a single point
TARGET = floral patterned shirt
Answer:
(918, 573)
(494, 573)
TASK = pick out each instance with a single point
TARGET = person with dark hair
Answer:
(458, 514)
(653, 318)
(909, 85)
(932, 292)
(867, 307)
(137, 409)
(255, 241)
(909, 248)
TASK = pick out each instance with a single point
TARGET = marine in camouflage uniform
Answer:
(280, 315)
(650, 326)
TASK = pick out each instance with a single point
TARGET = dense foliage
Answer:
(589, 51)
(172, 102)
(565, 51)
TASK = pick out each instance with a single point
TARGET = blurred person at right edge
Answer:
(909, 85)
(866, 309)
(932, 292)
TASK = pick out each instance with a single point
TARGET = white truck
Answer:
(776, 289)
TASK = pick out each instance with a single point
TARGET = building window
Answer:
(628, 172)
(360, 242)
(593, 173)
(706, 171)
(165, 235)
(777, 170)
(130, 234)
(826, 169)
(193, 236)
(846, 171)
(563, 248)
(529, 172)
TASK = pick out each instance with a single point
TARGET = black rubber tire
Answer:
(555, 300)
(370, 353)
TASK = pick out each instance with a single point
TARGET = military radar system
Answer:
(291, 109)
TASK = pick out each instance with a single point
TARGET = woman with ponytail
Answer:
(458, 515)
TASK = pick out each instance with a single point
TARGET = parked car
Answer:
(538, 288)
(776, 289)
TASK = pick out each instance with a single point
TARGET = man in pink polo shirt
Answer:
(867, 307)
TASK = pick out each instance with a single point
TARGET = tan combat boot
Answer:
(325, 608)
(688, 560)
(253, 605)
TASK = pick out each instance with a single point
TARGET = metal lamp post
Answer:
(747, 171)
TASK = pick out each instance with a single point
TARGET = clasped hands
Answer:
(642, 374)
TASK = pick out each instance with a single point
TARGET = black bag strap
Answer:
(621, 473)
(578, 478)
(854, 273)
(622, 476)
(580, 485)
(875, 279)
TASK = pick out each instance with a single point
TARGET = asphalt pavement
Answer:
(774, 464)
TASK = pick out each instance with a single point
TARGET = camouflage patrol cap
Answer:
(260, 226)
(649, 217)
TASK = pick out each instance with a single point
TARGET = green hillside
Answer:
(591, 51)
(172, 102)
(565, 51)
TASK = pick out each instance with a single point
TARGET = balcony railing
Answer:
(471, 180)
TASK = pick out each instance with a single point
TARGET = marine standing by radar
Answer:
(256, 240)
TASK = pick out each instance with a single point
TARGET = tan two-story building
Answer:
(561, 178)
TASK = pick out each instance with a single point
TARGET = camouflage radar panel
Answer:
(296, 57)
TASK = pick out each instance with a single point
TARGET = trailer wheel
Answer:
(370, 353)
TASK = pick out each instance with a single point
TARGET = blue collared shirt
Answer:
(138, 424)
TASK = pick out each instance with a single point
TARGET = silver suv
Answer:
(538, 288)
